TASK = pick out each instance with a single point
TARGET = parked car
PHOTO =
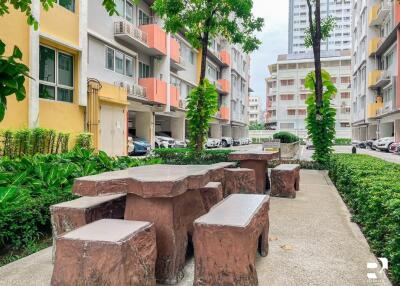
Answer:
(212, 143)
(236, 142)
(374, 145)
(164, 141)
(383, 144)
(394, 147)
(359, 144)
(369, 143)
(138, 146)
(180, 143)
(226, 141)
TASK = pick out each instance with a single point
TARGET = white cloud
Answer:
(274, 37)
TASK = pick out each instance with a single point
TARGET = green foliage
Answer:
(256, 126)
(84, 141)
(342, 141)
(186, 156)
(320, 122)
(371, 189)
(12, 76)
(231, 19)
(23, 142)
(286, 137)
(259, 140)
(202, 105)
(327, 25)
(31, 184)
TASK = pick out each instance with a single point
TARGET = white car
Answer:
(226, 141)
(162, 140)
(383, 144)
(213, 143)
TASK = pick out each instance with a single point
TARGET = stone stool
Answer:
(107, 252)
(211, 194)
(285, 180)
(239, 181)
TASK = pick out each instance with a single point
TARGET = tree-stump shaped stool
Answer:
(285, 179)
(107, 252)
(211, 194)
(239, 181)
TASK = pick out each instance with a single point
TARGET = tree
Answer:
(319, 115)
(200, 21)
(12, 72)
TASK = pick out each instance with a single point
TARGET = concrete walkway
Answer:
(312, 242)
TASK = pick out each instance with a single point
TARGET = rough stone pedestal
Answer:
(211, 194)
(107, 252)
(285, 180)
(226, 241)
(240, 181)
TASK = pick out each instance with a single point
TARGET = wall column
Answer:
(216, 130)
(178, 128)
(145, 126)
(33, 107)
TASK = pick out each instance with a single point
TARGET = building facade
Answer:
(340, 38)
(286, 109)
(255, 112)
(119, 75)
(375, 69)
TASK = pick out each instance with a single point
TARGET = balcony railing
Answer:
(378, 12)
(136, 90)
(126, 28)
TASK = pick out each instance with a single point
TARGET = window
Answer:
(344, 124)
(291, 112)
(302, 112)
(345, 95)
(303, 96)
(129, 66)
(144, 19)
(120, 7)
(109, 58)
(56, 81)
(144, 70)
(287, 82)
(67, 4)
(287, 96)
(192, 57)
(345, 79)
(119, 62)
(129, 12)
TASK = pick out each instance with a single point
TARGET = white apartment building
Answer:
(375, 67)
(255, 115)
(286, 94)
(340, 38)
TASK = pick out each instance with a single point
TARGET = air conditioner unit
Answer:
(119, 83)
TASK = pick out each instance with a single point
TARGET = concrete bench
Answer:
(226, 240)
(285, 179)
(239, 181)
(211, 194)
(107, 252)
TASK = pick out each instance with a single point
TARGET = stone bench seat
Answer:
(285, 180)
(107, 252)
(226, 240)
(211, 194)
(239, 181)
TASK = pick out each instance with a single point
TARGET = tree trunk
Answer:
(317, 56)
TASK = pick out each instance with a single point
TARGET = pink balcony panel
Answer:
(156, 37)
(225, 57)
(174, 49)
(224, 113)
(174, 96)
(156, 89)
(225, 85)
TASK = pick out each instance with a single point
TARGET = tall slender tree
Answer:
(201, 21)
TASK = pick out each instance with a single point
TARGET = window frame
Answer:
(124, 56)
(73, 8)
(56, 83)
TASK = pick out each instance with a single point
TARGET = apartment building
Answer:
(286, 109)
(255, 115)
(119, 75)
(375, 67)
(340, 38)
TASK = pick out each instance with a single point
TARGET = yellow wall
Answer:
(61, 23)
(113, 94)
(15, 31)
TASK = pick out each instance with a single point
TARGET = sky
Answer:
(274, 38)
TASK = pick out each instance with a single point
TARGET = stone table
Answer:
(258, 161)
(166, 195)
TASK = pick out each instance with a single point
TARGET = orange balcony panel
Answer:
(225, 57)
(174, 49)
(224, 113)
(174, 96)
(156, 89)
(156, 38)
(224, 85)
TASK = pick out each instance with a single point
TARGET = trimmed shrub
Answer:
(259, 140)
(286, 137)
(342, 141)
(186, 156)
(371, 189)
(84, 141)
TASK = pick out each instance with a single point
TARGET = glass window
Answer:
(144, 70)
(192, 57)
(144, 19)
(129, 12)
(67, 4)
(65, 69)
(120, 7)
(47, 92)
(128, 66)
(47, 63)
(64, 94)
(119, 62)
(109, 58)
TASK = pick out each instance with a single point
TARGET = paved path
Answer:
(312, 242)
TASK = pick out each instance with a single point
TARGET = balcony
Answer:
(174, 96)
(223, 86)
(373, 46)
(225, 58)
(156, 89)
(224, 113)
(177, 61)
(130, 34)
(373, 109)
(378, 13)
(136, 91)
(156, 38)
(373, 78)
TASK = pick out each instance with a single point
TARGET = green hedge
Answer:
(286, 137)
(371, 188)
(185, 156)
(342, 141)
(29, 185)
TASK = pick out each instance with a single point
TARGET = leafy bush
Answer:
(286, 137)
(31, 184)
(371, 188)
(84, 141)
(342, 141)
(259, 140)
(185, 156)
